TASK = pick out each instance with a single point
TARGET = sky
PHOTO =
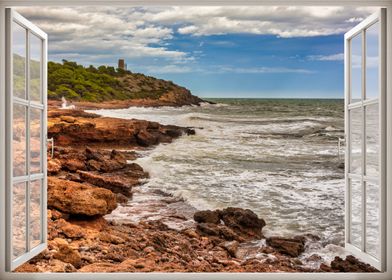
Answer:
(253, 52)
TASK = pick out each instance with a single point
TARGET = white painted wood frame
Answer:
(4, 275)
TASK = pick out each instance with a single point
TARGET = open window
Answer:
(26, 48)
(26, 117)
(365, 118)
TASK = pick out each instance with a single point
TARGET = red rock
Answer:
(116, 184)
(79, 199)
(68, 255)
(289, 246)
(207, 216)
(351, 264)
(231, 247)
(220, 231)
(73, 165)
(243, 221)
(53, 166)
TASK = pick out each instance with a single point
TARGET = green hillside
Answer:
(79, 83)
(76, 82)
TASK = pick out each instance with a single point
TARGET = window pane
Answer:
(19, 140)
(356, 138)
(35, 140)
(372, 140)
(356, 206)
(373, 219)
(35, 68)
(356, 68)
(372, 61)
(19, 220)
(35, 214)
(19, 60)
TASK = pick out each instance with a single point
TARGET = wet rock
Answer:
(220, 231)
(121, 199)
(244, 222)
(207, 216)
(231, 247)
(116, 184)
(145, 138)
(79, 199)
(351, 264)
(289, 246)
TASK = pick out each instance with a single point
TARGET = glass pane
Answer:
(373, 219)
(35, 214)
(356, 138)
(372, 140)
(356, 68)
(35, 140)
(35, 68)
(356, 206)
(19, 60)
(19, 140)
(372, 61)
(19, 220)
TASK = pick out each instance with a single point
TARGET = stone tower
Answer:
(121, 64)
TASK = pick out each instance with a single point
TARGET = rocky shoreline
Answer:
(91, 175)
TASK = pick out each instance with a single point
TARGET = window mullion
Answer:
(363, 144)
(28, 142)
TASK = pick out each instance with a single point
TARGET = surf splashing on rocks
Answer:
(278, 158)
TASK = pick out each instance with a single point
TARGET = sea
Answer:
(281, 158)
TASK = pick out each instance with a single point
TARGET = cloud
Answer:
(331, 57)
(103, 32)
(147, 32)
(283, 22)
(262, 70)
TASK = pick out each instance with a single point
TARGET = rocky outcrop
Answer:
(101, 131)
(230, 224)
(79, 199)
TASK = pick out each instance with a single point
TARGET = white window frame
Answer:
(12, 17)
(362, 104)
(160, 276)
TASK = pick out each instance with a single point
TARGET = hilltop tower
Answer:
(121, 64)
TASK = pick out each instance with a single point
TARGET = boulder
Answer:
(243, 221)
(207, 216)
(79, 199)
(288, 246)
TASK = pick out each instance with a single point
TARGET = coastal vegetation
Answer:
(104, 83)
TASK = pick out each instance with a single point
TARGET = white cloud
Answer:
(262, 70)
(284, 22)
(138, 32)
(331, 57)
